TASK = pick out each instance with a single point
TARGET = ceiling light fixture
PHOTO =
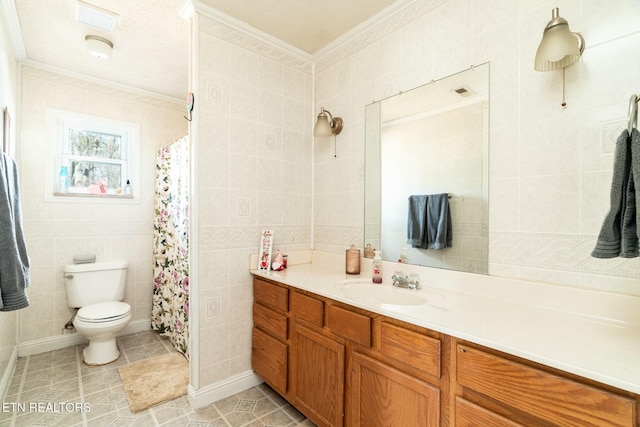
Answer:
(99, 46)
(559, 47)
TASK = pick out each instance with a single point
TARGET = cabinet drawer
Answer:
(272, 295)
(307, 308)
(269, 360)
(352, 326)
(270, 321)
(543, 395)
(411, 347)
(471, 415)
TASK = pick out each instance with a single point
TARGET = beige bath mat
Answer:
(155, 380)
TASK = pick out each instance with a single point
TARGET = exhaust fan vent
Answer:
(464, 91)
(96, 17)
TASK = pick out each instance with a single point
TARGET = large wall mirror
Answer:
(422, 144)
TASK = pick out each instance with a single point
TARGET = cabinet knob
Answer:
(462, 350)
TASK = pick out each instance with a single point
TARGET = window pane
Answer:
(94, 144)
(84, 174)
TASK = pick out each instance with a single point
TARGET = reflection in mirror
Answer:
(424, 142)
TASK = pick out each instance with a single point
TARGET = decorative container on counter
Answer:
(352, 264)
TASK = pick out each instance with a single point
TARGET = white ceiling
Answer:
(151, 39)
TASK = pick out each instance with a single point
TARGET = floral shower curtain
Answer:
(170, 310)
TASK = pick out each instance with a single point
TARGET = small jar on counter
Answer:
(368, 251)
(352, 264)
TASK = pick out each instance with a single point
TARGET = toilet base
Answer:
(101, 352)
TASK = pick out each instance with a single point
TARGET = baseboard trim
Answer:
(29, 348)
(8, 373)
(214, 392)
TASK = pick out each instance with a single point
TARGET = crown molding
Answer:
(249, 30)
(10, 18)
(362, 28)
(96, 80)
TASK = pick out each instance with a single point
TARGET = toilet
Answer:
(97, 290)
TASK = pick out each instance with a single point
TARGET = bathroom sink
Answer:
(381, 295)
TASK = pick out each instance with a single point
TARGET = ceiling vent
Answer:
(96, 17)
(464, 91)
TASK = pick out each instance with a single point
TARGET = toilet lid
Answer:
(103, 311)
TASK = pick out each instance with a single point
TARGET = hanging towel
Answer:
(619, 232)
(14, 261)
(416, 221)
(439, 233)
(429, 222)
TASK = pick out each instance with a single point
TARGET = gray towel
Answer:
(429, 222)
(416, 221)
(14, 262)
(619, 233)
(439, 233)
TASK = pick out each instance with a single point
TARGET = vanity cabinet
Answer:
(502, 390)
(345, 366)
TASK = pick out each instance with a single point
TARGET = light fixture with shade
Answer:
(327, 125)
(559, 47)
(98, 46)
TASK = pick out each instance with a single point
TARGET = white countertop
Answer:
(589, 333)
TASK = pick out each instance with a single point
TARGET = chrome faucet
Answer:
(411, 281)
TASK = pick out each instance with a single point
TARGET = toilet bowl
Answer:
(97, 291)
(100, 323)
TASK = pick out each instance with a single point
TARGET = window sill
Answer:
(97, 196)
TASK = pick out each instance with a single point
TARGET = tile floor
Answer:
(61, 380)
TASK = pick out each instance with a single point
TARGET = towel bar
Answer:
(633, 113)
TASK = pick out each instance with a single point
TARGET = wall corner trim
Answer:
(214, 392)
(5, 380)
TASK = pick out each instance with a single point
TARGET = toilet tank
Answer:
(95, 282)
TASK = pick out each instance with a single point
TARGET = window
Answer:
(93, 156)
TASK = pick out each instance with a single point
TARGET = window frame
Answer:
(59, 124)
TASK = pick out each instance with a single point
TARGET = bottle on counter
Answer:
(403, 256)
(64, 180)
(377, 268)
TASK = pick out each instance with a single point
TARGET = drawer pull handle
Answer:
(463, 350)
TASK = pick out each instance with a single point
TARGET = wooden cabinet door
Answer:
(318, 377)
(269, 360)
(384, 396)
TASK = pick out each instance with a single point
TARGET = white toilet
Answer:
(98, 289)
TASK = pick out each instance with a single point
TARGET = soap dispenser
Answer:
(377, 268)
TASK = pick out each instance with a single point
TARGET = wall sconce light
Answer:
(99, 46)
(559, 47)
(327, 125)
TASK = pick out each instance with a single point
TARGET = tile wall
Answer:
(56, 231)
(253, 172)
(550, 168)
